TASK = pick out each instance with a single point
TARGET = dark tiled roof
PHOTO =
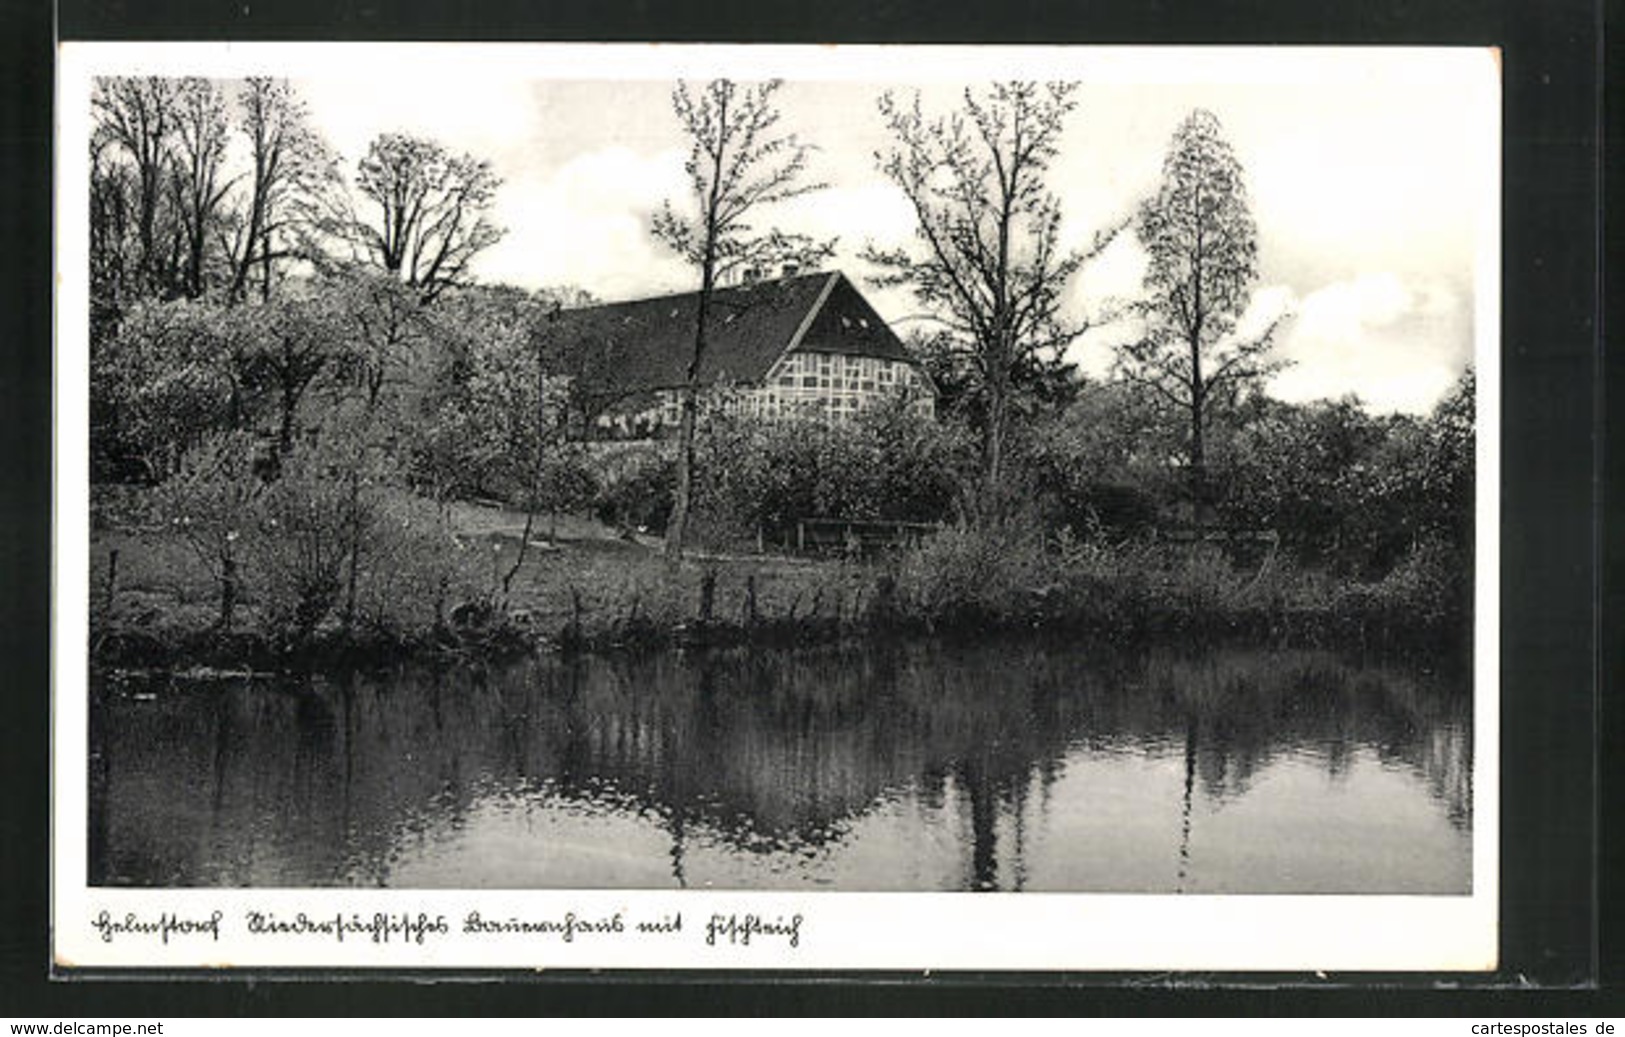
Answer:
(646, 343)
(846, 323)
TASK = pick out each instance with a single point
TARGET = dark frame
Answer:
(1551, 548)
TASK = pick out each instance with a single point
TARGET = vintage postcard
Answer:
(856, 507)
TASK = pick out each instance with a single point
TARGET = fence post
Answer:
(708, 591)
(574, 635)
(112, 579)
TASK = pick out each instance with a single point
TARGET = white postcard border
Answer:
(912, 931)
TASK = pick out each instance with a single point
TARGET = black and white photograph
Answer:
(870, 506)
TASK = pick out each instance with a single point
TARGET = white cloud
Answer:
(1348, 308)
(870, 210)
(1398, 345)
(1273, 304)
(1382, 183)
(1115, 274)
(486, 116)
(587, 224)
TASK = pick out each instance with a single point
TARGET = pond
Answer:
(1016, 765)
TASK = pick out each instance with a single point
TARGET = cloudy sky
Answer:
(1371, 172)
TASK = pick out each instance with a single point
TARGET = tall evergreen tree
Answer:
(1202, 245)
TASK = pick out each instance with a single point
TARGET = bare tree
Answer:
(737, 164)
(1198, 232)
(992, 269)
(288, 166)
(200, 132)
(111, 197)
(429, 212)
(136, 117)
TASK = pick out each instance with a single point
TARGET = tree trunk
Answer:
(677, 525)
(998, 402)
(194, 261)
(1198, 459)
(228, 590)
(1198, 384)
(993, 443)
(256, 223)
(1198, 400)
(355, 553)
(112, 580)
(534, 498)
(519, 557)
(682, 497)
(284, 437)
(265, 269)
(146, 229)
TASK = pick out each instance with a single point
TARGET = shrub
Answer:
(1199, 579)
(635, 490)
(884, 464)
(980, 572)
(311, 516)
(414, 570)
(211, 504)
(569, 481)
(1430, 587)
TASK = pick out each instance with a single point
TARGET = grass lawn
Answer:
(575, 572)
(616, 579)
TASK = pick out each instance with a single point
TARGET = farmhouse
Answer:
(800, 344)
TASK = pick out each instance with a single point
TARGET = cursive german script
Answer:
(163, 927)
(379, 927)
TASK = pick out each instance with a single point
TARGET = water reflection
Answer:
(1009, 767)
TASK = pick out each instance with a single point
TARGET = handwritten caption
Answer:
(405, 928)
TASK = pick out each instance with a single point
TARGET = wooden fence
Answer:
(857, 537)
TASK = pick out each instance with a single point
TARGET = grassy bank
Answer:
(578, 585)
(581, 586)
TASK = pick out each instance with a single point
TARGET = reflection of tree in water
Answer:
(1243, 710)
(1192, 741)
(760, 751)
(995, 790)
(771, 752)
